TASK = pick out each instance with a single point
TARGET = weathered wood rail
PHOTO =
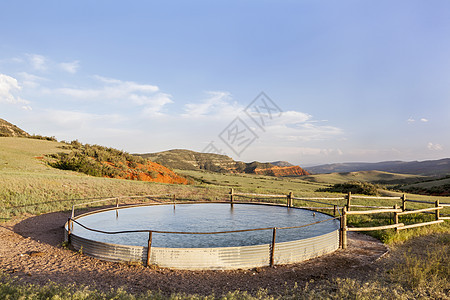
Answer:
(347, 210)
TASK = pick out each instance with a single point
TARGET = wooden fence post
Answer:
(334, 210)
(69, 230)
(117, 206)
(289, 199)
(272, 248)
(174, 198)
(149, 247)
(231, 195)
(344, 228)
(403, 202)
(349, 197)
(396, 217)
(69, 224)
(437, 210)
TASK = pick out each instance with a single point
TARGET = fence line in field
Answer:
(346, 210)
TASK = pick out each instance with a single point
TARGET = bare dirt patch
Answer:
(30, 248)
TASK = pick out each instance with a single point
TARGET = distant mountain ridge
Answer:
(10, 130)
(428, 167)
(191, 160)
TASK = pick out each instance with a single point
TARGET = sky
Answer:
(309, 82)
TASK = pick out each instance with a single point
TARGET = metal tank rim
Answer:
(213, 258)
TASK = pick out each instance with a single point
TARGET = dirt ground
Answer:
(30, 249)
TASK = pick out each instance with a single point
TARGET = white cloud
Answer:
(286, 131)
(292, 117)
(217, 105)
(70, 67)
(65, 119)
(112, 89)
(27, 107)
(38, 62)
(412, 120)
(153, 105)
(30, 80)
(8, 88)
(299, 126)
(145, 95)
(434, 147)
(127, 85)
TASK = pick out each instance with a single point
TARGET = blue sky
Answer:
(353, 80)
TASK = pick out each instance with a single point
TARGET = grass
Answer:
(24, 155)
(366, 176)
(29, 186)
(249, 183)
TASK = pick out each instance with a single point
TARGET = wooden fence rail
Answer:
(420, 201)
(401, 213)
(396, 210)
(375, 228)
(375, 211)
(420, 224)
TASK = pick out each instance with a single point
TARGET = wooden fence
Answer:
(347, 210)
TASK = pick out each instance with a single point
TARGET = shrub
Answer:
(41, 137)
(355, 187)
(98, 161)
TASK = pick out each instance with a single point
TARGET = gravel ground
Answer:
(30, 249)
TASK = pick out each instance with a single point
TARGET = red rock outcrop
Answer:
(282, 171)
(151, 172)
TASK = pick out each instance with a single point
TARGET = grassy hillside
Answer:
(428, 167)
(191, 160)
(368, 176)
(108, 162)
(20, 154)
(436, 187)
(29, 185)
(256, 183)
(26, 181)
(10, 130)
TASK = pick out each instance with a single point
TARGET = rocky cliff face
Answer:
(282, 171)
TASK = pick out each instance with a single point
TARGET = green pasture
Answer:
(29, 186)
(364, 176)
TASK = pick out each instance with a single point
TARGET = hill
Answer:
(281, 163)
(9, 130)
(429, 167)
(191, 160)
(25, 154)
(375, 177)
(102, 161)
(434, 187)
